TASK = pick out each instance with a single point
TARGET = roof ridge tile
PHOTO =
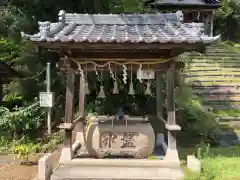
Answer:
(134, 28)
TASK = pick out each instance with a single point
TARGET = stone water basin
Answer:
(106, 137)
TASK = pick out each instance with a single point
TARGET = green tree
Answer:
(228, 20)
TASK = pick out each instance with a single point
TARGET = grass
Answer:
(219, 164)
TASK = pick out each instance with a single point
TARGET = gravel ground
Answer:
(12, 170)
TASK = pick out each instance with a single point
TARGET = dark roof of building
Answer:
(121, 28)
(2, 2)
(184, 4)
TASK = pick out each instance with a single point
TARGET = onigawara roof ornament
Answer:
(121, 28)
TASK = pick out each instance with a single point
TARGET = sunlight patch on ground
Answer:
(220, 164)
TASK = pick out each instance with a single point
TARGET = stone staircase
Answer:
(215, 77)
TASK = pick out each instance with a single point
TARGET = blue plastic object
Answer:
(120, 114)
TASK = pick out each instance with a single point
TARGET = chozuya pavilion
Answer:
(118, 146)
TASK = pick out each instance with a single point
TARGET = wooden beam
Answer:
(117, 59)
(117, 53)
(117, 46)
(90, 66)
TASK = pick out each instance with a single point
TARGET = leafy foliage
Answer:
(24, 150)
(227, 20)
(8, 49)
(25, 124)
(194, 118)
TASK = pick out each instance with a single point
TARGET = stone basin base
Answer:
(115, 169)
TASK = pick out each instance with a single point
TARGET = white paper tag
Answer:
(146, 74)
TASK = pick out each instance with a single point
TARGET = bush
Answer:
(24, 150)
(194, 118)
(25, 123)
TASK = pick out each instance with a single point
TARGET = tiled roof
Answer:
(2, 2)
(121, 28)
(202, 3)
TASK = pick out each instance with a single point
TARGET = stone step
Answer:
(226, 98)
(214, 65)
(221, 101)
(218, 62)
(101, 170)
(213, 75)
(204, 93)
(228, 104)
(212, 83)
(213, 56)
(214, 87)
(224, 107)
(200, 90)
(210, 71)
(214, 79)
(211, 60)
(219, 47)
(229, 135)
(229, 139)
(229, 118)
(217, 69)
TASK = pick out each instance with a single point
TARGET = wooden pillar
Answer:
(159, 95)
(171, 119)
(80, 126)
(211, 25)
(81, 97)
(67, 143)
(208, 24)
